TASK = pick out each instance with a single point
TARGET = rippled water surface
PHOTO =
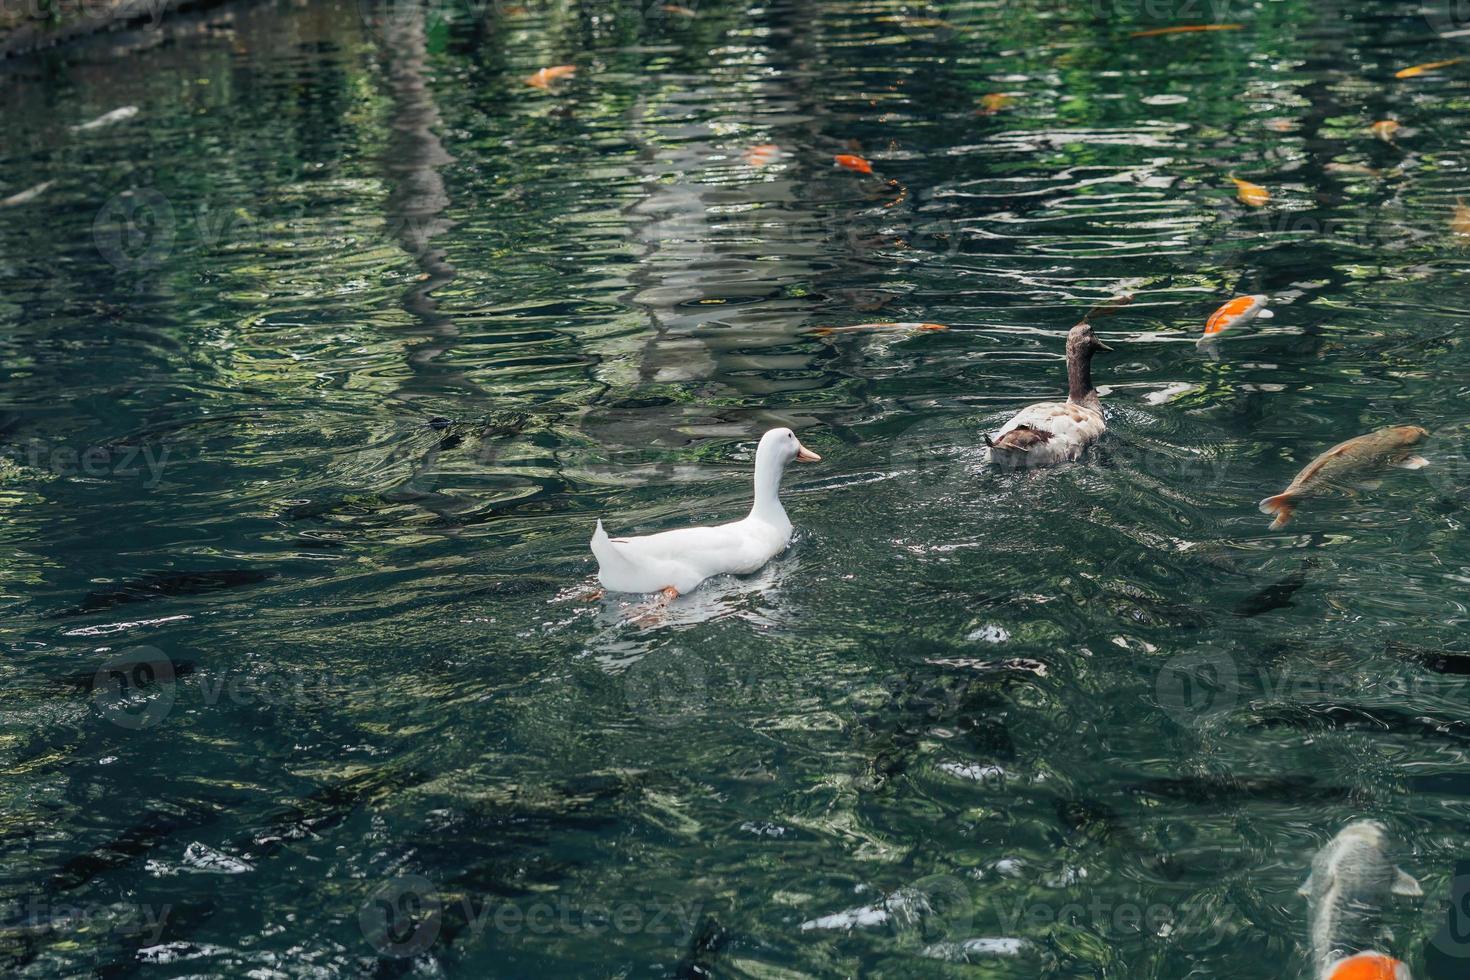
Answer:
(318, 371)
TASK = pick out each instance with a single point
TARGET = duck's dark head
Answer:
(1081, 340)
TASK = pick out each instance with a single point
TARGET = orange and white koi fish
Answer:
(762, 154)
(1186, 29)
(1385, 128)
(544, 77)
(852, 162)
(1344, 462)
(1353, 879)
(1368, 966)
(1460, 223)
(1413, 71)
(1236, 313)
(1252, 195)
(869, 327)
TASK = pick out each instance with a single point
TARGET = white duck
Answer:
(1053, 432)
(674, 562)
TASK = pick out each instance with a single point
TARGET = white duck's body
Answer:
(1056, 432)
(680, 560)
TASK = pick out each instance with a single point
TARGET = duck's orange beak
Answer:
(805, 455)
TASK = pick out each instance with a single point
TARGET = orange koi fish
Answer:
(1414, 71)
(1460, 223)
(544, 77)
(1236, 313)
(1385, 128)
(762, 154)
(1252, 195)
(677, 10)
(868, 327)
(1186, 29)
(1368, 966)
(850, 161)
(994, 102)
(1344, 461)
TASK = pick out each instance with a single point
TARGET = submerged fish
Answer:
(1277, 595)
(1236, 313)
(1353, 169)
(168, 586)
(544, 77)
(868, 327)
(1415, 70)
(677, 10)
(907, 21)
(27, 195)
(1439, 661)
(1460, 223)
(850, 161)
(1186, 29)
(1351, 881)
(1251, 195)
(1343, 462)
(994, 102)
(107, 119)
(1385, 128)
(762, 154)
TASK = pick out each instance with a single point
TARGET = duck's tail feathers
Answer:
(1282, 505)
(605, 551)
(601, 543)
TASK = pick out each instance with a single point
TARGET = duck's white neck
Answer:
(768, 469)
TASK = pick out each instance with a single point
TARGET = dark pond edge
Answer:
(32, 25)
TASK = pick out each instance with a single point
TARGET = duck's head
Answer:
(1082, 341)
(783, 446)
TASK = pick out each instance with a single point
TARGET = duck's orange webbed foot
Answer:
(654, 613)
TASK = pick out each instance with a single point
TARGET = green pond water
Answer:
(316, 373)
